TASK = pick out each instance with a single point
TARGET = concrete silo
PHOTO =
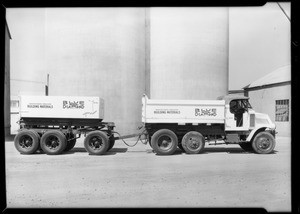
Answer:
(99, 52)
(189, 53)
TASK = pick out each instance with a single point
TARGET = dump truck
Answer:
(190, 124)
(53, 123)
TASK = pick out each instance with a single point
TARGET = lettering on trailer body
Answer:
(73, 104)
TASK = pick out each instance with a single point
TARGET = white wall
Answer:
(189, 53)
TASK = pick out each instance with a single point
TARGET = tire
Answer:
(96, 143)
(246, 147)
(193, 142)
(26, 142)
(263, 143)
(111, 141)
(164, 142)
(53, 142)
(71, 143)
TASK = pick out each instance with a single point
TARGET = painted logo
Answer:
(206, 112)
(73, 104)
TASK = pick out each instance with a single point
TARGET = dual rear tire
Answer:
(52, 142)
(165, 142)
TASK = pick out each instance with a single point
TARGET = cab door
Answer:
(236, 116)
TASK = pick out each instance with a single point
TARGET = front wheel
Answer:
(96, 143)
(164, 142)
(263, 143)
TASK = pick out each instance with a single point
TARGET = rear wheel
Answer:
(263, 143)
(53, 142)
(27, 141)
(164, 142)
(193, 142)
(96, 143)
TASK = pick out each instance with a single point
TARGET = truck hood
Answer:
(263, 120)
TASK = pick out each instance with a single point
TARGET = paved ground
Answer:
(223, 176)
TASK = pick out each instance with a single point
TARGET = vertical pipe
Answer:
(147, 52)
(47, 86)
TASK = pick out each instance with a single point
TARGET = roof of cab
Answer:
(230, 97)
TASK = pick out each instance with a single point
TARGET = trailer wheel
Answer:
(71, 143)
(111, 143)
(164, 142)
(263, 143)
(53, 142)
(26, 142)
(96, 143)
(193, 142)
(246, 146)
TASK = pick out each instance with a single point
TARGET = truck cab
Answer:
(240, 116)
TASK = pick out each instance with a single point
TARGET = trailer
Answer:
(53, 123)
(189, 124)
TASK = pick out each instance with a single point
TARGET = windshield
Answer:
(239, 106)
(246, 104)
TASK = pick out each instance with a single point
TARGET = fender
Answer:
(254, 131)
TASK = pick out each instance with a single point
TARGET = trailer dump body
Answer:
(183, 111)
(61, 107)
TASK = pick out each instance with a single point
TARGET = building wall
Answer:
(263, 101)
(7, 84)
(189, 53)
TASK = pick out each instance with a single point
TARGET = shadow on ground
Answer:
(178, 151)
(113, 151)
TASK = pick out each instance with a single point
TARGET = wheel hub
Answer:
(193, 143)
(96, 143)
(26, 142)
(165, 142)
(52, 143)
(264, 143)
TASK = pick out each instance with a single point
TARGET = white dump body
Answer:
(61, 107)
(183, 111)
